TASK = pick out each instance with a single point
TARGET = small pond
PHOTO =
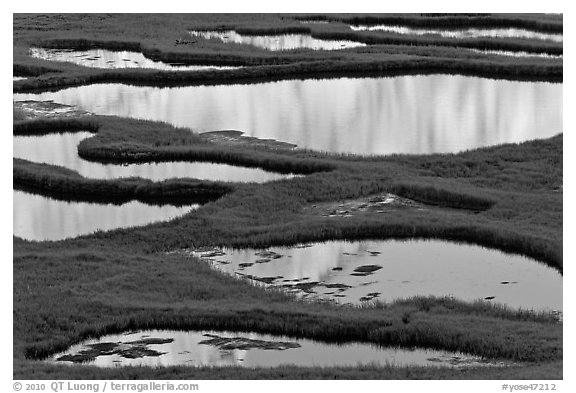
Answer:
(277, 42)
(360, 272)
(40, 218)
(102, 58)
(211, 348)
(416, 114)
(464, 33)
(61, 149)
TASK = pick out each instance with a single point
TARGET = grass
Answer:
(503, 197)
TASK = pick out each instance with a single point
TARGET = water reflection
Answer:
(198, 348)
(356, 272)
(406, 114)
(516, 53)
(102, 58)
(61, 150)
(277, 42)
(39, 218)
(18, 78)
(464, 33)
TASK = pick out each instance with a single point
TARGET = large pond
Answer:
(360, 272)
(61, 149)
(463, 33)
(102, 58)
(277, 42)
(405, 114)
(210, 348)
(40, 218)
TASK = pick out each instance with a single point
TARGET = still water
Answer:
(405, 114)
(158, 348)
(464, 33)
(102, 58)
(516, 53)
(40, 218)
(358, 272)
(277, 42)
(61, 150)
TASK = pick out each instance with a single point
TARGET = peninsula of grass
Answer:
(507, 197)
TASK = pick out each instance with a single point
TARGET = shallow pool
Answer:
(41, 218)
(103, 58)
(463, 33)
(278, 42)
(212, 348)
(61, 149)
(364, 271)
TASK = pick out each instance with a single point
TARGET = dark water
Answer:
(277, 42)
(40, 218)
(464, 33)
(186, 349)
(402, 269)
(102, 58)
(406, 114)
(61, 149)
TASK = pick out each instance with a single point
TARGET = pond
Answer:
(40, 218)
(158, 348)
(102, 58)
(407, 114)
(360, 272)
(463, 33)
(61, 149)
(277, 42)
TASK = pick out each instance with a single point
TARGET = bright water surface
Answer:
(103, 58)
(404, 269)
(405, 114)
(40, 218)
(186, 349)
(464, 33)
(61, 150)
(277, 42)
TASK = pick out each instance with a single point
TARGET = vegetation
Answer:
(507, 197)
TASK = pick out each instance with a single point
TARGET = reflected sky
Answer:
(515, 53)
(464, 33)
(405, 114)
(277, 42)
(408, 268)
(186, 350)
(40, 218)
(61, 149)
(103, 58)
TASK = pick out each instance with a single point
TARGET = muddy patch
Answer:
(378, 204)
(237, 138)
(31, 110)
